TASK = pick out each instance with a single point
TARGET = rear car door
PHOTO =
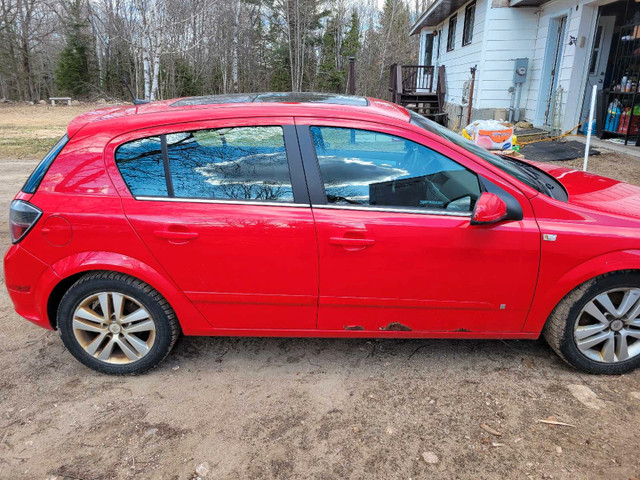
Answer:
(223, 206)
(396, 245)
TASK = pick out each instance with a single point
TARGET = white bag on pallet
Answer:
(491, 134)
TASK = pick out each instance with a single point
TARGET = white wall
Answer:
(503, 34)
(572, 75)
(538, 87)
(459, 61)
(511, 33)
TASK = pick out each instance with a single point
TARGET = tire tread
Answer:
(172, 320)
(558, 329)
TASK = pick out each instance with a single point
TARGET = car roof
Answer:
(275, 97)
(264, 104)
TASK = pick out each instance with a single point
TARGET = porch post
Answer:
(352, 76)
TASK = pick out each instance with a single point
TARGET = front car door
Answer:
(396, 245)
(224, 208)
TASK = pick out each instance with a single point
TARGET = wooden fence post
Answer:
(393, 82)
(352, 76)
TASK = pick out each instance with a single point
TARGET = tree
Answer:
(351, 43)
(397, 46)
(331, 77)
(167, 48)
(72, 73)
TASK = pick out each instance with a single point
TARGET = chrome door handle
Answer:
(175, 235)
(351, 242)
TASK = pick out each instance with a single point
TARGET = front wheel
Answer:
(596, 328)
(116, 324)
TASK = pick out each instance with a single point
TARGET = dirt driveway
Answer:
(238, 408)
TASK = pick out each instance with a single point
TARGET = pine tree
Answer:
(331, 79)
(351, 43)
(73, 75)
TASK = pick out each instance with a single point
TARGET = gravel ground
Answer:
(251, 408)
(610, 164)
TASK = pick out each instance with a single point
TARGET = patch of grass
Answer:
(25, 147)
(29, 131)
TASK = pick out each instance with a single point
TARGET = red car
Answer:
(314, 215)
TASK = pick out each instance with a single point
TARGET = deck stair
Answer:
(419, 88)
(423, 103)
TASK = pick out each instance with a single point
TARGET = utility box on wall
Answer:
(520, 71)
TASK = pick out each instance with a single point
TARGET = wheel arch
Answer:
(609, 263)
(72, 268)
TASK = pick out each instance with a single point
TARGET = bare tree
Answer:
(169, 48)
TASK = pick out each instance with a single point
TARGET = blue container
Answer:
(613, 119)
(585, 127)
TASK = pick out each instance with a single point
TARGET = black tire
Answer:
(167, 328)
(559, 328)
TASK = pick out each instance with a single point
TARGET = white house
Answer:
(565, 47)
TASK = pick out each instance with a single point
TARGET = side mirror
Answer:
(490, 208)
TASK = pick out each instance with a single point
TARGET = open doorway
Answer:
(615, 65)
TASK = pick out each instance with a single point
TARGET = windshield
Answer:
(527, 174)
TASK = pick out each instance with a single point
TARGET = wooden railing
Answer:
(409, 79)
(415, 87)
(417, 77)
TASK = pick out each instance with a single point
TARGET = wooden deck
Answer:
(419, 88)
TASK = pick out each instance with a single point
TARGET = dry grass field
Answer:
(252, 408)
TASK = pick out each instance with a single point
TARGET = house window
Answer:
(469, 20)
(451, 37)
(428, 49)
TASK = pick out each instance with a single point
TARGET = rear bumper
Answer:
(27, 279)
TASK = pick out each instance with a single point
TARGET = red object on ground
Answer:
(623, 126)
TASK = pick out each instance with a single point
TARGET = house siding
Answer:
(459, 61)
(502, 34)
(580, 23)
(511, 34)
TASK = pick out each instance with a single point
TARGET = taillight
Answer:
(22, 217)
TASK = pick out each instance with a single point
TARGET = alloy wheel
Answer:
(114, 328)
(607, 329)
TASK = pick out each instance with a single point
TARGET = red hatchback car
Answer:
(314, 215)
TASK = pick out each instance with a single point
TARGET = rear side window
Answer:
(140, 163)
(235, 163)
(33, 182)
(361, 167)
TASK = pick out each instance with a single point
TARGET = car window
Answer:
(33, 182)
(517, 169)
(234, 163)
(140, 164)
(361, 167)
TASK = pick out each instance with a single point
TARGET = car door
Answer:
(396, 245)
(223, 206)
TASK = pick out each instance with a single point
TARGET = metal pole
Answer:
(512, 102)
(516, 113)
(588, 142)
(473, 82)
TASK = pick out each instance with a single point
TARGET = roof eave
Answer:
(418, 26)
(527, 3)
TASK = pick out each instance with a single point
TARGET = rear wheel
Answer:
(116, 324)
(596, 328)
